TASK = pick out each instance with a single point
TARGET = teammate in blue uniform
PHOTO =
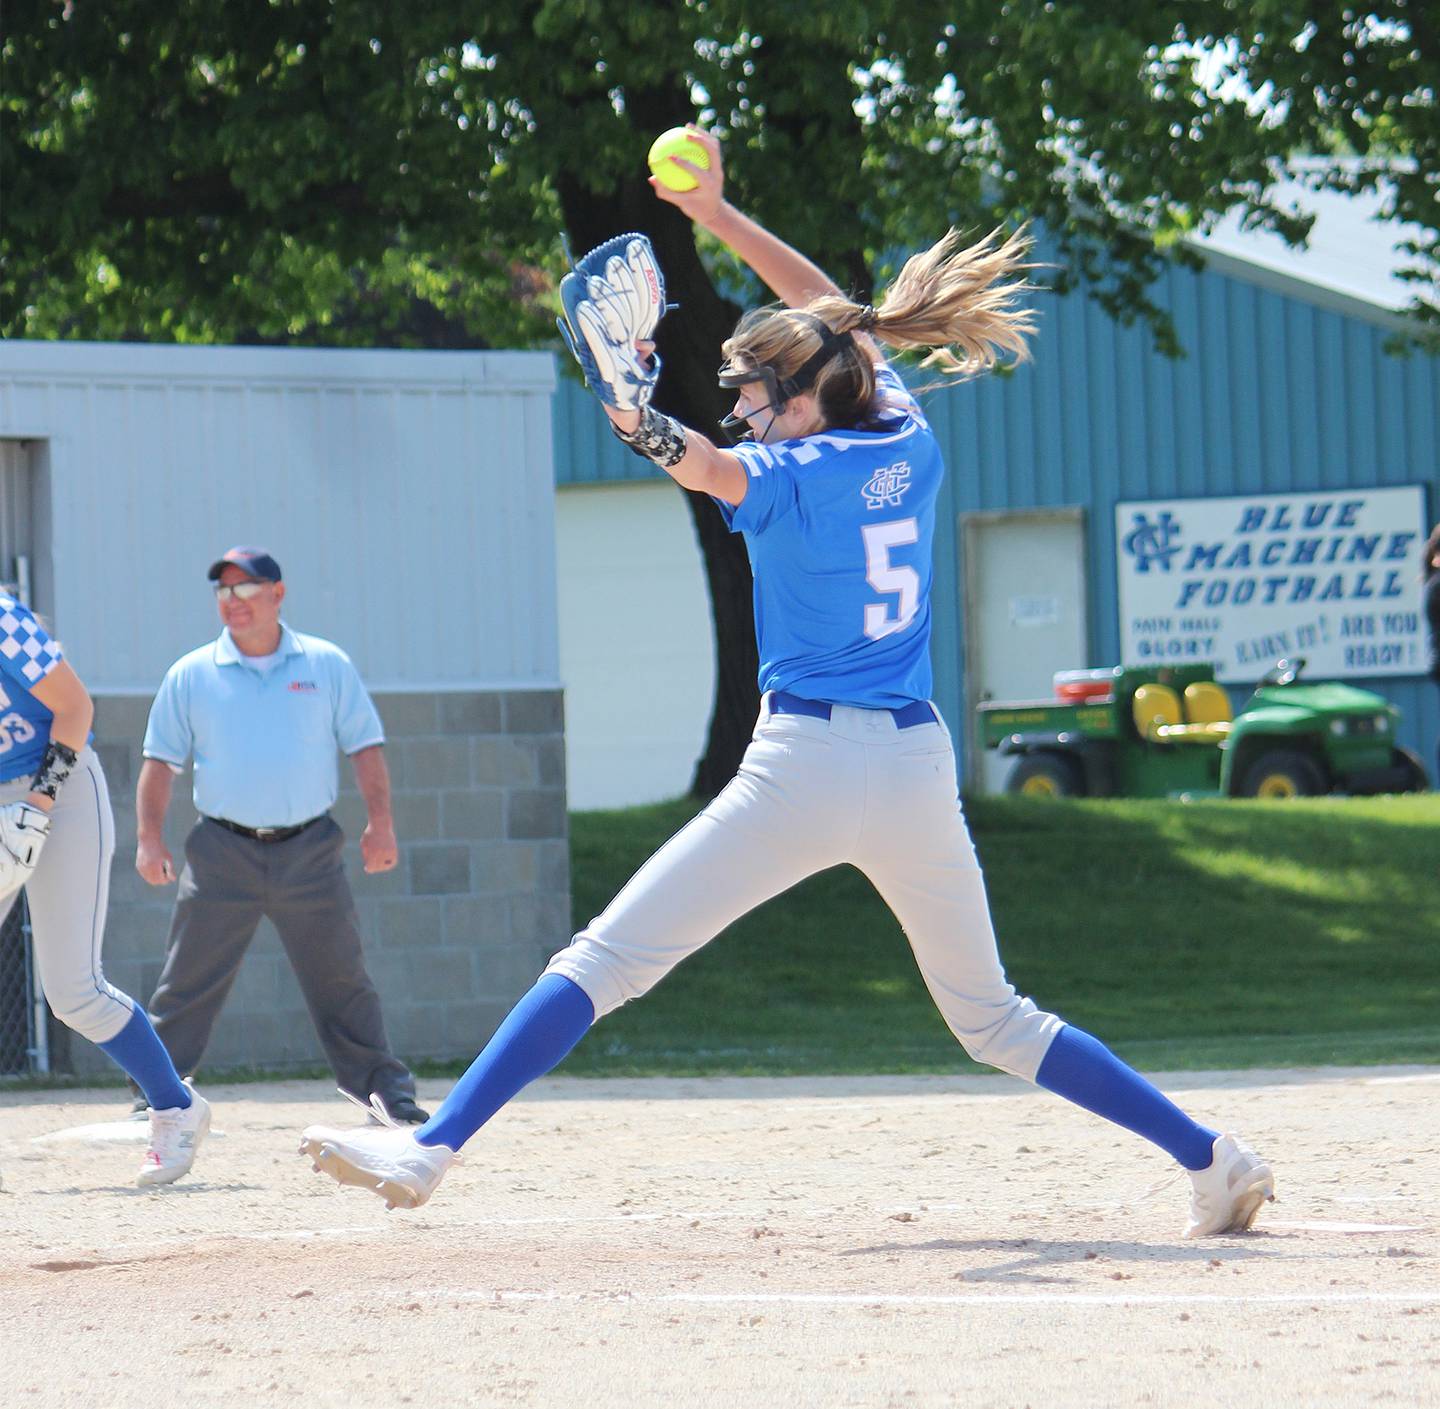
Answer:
(57, 836)
(835, 494)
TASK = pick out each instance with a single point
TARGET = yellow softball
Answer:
(677, 142)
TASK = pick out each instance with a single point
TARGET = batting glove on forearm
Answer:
(23, 830)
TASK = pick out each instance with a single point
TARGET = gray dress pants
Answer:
(228, 883)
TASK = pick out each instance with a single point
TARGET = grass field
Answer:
(1188, 936)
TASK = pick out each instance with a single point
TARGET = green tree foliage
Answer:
(329, 168)
(1360, 83)
(213, 171)
(355, 171)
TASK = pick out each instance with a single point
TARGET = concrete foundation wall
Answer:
(452, 936)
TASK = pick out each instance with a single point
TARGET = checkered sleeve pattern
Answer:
(27, 652)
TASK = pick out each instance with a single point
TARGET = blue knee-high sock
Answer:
(139, 1052)
(539, 1032)
(1087, 1072)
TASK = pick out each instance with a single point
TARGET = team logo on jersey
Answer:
(887, 487)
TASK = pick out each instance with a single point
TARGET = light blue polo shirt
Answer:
(264, 742)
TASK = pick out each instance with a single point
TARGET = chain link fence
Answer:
(20, 1044)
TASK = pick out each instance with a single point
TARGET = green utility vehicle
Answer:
(1168, 731)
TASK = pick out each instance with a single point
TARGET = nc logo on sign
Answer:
(1154, 542)
(887, 486)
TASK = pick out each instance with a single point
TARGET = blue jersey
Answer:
(27, 656)
(840, 527)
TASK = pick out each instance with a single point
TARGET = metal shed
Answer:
(409, 499)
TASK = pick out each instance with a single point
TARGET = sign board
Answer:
(1333, 577)
(1034, 610)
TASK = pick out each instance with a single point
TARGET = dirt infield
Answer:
(807, 1242)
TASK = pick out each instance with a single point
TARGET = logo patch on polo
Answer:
(304, 687)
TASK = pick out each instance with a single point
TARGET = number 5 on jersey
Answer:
(890, 579)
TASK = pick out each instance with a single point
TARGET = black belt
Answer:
(266, 833)
(905, 717)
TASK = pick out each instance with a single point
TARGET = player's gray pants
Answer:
(68, 895)
(228, 883)
(810, 794)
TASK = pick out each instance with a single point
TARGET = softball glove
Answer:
(613, 298)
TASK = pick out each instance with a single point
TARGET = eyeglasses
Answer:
(238, 591)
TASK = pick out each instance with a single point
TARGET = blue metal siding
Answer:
(1274, 394)
(585, 451)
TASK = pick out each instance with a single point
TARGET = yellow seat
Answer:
(1207, 705)
(1155, 708)
(1157, 715)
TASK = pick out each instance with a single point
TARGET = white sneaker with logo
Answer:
(175, 1137)
(385, 1159)
(1227, 1195)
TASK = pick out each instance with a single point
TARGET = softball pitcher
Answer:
(850, 762)
(57, 835)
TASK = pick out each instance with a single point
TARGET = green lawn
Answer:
(1213, 934)
(1187, 936)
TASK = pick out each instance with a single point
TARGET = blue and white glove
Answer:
(613, 298)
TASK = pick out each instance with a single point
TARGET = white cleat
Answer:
(1227, 1195)
(387, 1160)
(175, 1137)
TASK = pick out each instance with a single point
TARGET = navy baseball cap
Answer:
(256, 561)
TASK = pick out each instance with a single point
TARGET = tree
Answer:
(350, 171)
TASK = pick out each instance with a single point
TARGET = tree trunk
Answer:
(689, 340)
(737, 696)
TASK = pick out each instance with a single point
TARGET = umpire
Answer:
(262, 709)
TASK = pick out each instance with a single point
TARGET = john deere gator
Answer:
(1169, 731)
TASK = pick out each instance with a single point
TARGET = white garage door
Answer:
(637, 648)
(1024, 612)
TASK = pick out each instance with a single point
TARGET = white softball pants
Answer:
(69, 892)
(810, 794)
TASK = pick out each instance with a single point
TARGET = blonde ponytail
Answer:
(959, 304)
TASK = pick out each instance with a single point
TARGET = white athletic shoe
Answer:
(386, 1159)
(1228, 1194)
(175, 1137)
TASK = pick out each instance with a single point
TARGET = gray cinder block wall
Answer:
(479, 901)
